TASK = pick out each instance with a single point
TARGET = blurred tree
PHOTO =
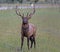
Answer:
(20, 1)
(28, 0)
(36, 1)
(12, 1)
(46, 0)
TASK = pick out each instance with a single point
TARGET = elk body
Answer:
(27, 29)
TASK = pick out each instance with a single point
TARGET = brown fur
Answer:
(27, 29)
(32, 30)
(30, 34)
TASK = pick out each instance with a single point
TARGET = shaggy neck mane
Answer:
(25, 28)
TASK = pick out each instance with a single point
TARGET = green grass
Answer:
(47, 22)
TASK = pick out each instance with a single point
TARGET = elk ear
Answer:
(29, 17)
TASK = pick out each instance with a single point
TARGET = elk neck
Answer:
(25, 28)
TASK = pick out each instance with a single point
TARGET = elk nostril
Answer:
(25, 22)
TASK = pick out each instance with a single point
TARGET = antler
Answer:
(30, 15)
(18, 12)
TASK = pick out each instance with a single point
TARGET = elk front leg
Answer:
(22, 40)
(28, 43)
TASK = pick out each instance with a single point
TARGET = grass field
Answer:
(47, 22)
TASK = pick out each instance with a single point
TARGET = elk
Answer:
(28, 30)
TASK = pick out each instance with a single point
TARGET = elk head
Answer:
(28, 16)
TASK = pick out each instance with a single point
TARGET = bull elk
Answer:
(28, 30)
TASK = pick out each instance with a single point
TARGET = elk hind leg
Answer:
(31, 39)
(34, 42)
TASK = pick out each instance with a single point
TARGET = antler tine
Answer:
(34, 9)
(18, 12)
(29, 16)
